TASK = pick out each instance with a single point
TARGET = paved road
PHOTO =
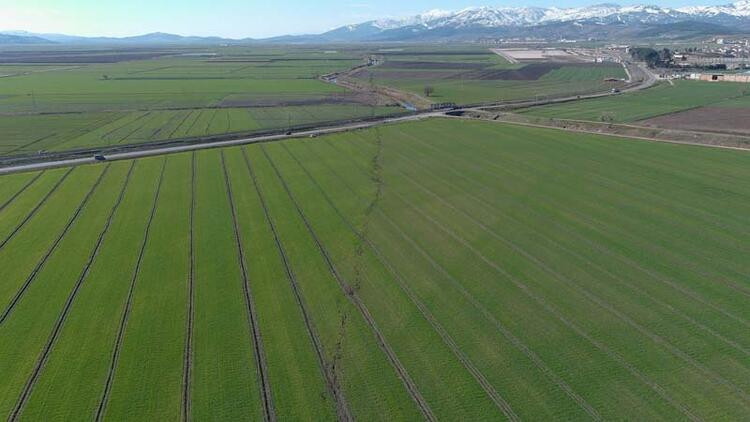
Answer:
(198, 146)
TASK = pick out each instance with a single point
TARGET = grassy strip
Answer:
(223, 361)
(31, 382)
(25, 333)
(189, 341)
(160, 290)
(351, 294)
(351, 349)
(298, 387)
(76, 370)
(34, 210)
(17, 210)
(15, 185)
(259, 352)
(129, 302)
(342, 408)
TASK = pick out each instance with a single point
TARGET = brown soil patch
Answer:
(354, 98)
(531, 72)
(432, 65)
(364, 74)
(711, 119)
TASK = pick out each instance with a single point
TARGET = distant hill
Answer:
(22, 39)
(156, 38)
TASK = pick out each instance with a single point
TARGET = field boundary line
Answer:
(448, 340)
(260, 357)
(602, 303)
(504, 331)
(342, 408)
(189, 113)
(583, 258)
(126, 116)
(194, 121)
(44, 355)
(36, 208)
(351, 294)
(40, 265)
(208, 124)
(651, 273)
(22, 190)
(188, 357)
(158, 130)
(144, 121)
(128, 304)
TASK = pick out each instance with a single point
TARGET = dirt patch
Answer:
(531, 72)
(432, 65)
(711, 119)
(344, 98)
(364, 74)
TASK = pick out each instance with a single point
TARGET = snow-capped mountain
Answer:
(442, 23)
(738, 9)
(523, 16)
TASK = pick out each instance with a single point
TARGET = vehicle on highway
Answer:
(100, 157)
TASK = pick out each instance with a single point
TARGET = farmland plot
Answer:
(662, 99)
(387, 274)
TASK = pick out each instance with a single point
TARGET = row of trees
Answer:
(652, 57)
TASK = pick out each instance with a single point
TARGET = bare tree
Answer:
(428, 90)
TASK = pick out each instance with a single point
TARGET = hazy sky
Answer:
(235, 18)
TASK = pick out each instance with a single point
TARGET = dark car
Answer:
(100, 157)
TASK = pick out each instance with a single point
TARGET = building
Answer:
(720, 77)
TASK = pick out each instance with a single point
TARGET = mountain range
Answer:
(602, 21)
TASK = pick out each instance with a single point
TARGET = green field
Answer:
(77, 101)
(659, 100)
(443, 269)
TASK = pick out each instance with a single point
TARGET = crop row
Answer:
(386, 274)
